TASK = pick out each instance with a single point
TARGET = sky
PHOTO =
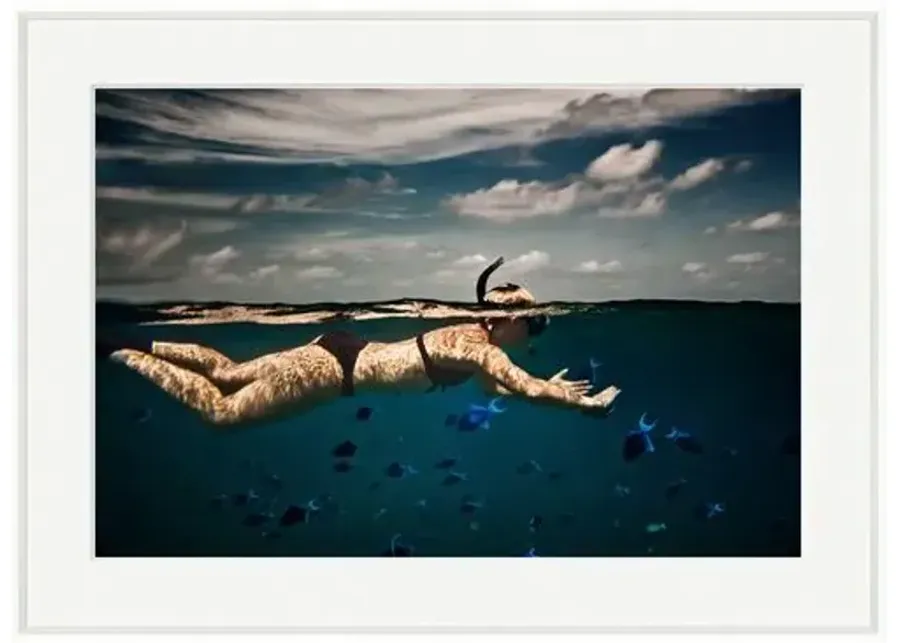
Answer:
(318, 195)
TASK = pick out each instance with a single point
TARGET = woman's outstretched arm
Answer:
(496, 366)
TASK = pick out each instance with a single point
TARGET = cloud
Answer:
(349, 193)
(356, 249)
(623, 162)
(698, 270)
(211, 265)
(651, 205)
(436, 254)
(743, 165)
(509, 200)
(697, 174)
(637, 207)
(642, 108)
(316, 273)
(381, 126)
(595, 267)
(748, 258)
(470, 261)
(710, 230)
(264, 271)
(528, 262)
(145, 244)
(466, 271)
(766, 223)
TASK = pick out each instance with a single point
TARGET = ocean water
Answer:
(728, 373)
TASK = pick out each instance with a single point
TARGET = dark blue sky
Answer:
(373, 194)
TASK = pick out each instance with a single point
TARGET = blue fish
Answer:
(684, 441)
(714, 509)
(637, 441)
(398, 548)
(479, 417)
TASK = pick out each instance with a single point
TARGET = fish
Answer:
(730, 451)
(243, 499)
(342, 466)
(655, 527)
(674, 487)
(470, 506)
(346, 449)
(709, 510)
(292, 515)
(791, 444)
(398, 548)
(398, 470)
(374, 485)
(141, 416)
(586, 372)
(621, 490)
(394, 470)
(531, 553)
(273, 481)
(271, 535)
(479, 417)
(363, 413)
(451, 420)
(638, 442)
(684, 441)
(446, 463)
(529, 467)
(379, 513)
(454, 478)
(422, 504)
(474, 525)
(257, 519)
(535, 523)
(554, 475)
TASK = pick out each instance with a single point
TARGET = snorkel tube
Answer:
(481, 284)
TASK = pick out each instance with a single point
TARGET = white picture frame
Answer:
(832, 587)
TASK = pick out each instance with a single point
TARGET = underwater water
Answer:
(729, 374)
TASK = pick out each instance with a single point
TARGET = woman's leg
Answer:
(312, 377)
(225, 373)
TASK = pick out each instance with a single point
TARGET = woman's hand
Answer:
(601, 403)
(578, 387)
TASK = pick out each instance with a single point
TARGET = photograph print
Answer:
(447, 322)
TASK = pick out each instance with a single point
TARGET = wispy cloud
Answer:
(698, 271)
(470, 260)
(315, 273)
(212, 265)
(748, 257)
(350, 193)
(379, 126)
(595, 267)
(766, 223)
(509, 200)
(622, 162)
(697, 174)
(528, 262)
(140, 247)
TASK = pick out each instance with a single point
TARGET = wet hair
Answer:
(512, 295)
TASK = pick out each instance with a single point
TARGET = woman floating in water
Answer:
(227, 393)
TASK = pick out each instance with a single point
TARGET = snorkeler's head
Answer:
(517, 327)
